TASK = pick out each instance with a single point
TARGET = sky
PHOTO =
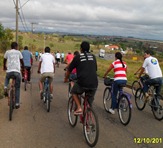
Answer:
(140, 19)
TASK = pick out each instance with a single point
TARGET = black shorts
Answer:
(79, 90)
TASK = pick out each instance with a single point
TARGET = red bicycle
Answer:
(88, 119)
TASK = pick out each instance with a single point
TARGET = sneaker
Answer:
(111, 111)
(51, 96)
(5, 92)
(17, 105)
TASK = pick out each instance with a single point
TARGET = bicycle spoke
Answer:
(124, 110)
(90, 127)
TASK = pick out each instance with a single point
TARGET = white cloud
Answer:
(119, 17)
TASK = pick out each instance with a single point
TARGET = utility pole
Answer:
(17, 13)
(32, 25)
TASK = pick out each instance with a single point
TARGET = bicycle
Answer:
(155, 101)
(124, 101)
(46, 94)
(88, 118)
(11, 97)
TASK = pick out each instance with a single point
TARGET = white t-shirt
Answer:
(153, 68)
(47, 63)
(58, 55)
(13, 60)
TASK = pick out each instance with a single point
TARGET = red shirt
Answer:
(69, 58)
(119, 71)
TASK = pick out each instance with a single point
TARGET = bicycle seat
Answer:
(122, 85)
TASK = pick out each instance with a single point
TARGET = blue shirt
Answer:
(27, 58)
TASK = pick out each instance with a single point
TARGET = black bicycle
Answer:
(123, 99)
(155, 101)
(46, 94)
(89, 119)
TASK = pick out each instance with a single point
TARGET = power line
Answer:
(23, 18)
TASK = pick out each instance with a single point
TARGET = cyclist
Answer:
(154, 72)
(58, 56)
(13, 58)
(73, 75)
(28, 60)
(36, 55)
(120, 69)
(86, 67)
(62, 57)
(47, 69)
(69, 58)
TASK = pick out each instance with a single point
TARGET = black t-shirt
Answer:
(86, 67)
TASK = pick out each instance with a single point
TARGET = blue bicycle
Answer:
(123, 99)
(46, 94)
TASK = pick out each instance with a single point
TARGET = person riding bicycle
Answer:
(14, 60)
(28, 60)
(120, 77)
(73, 74)
(69, 58)
(86, 67)
(58, 57)
(47, 67)
(36, 55)
(154, 72)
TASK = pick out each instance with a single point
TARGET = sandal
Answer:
(78, 112)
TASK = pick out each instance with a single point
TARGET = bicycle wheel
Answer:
(139, 99)
(48, 101)
(91, 127)
(70, 112)
(135, 86)
(69, 89)
(107, 98)
(124, 110)
(11, 104)
(157, 107)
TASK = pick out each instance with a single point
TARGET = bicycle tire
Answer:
(91, 127)
(157, 107)
(48, 103)
(70, 112)
(139, 99)
(124, 109)
(11, 105)
(69, 89)
(107, 98)
(47, 95)
(135, 86)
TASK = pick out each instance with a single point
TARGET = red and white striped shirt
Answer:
(119, 71)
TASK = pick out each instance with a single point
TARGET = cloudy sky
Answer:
(135, 18)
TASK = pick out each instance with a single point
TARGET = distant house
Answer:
(112, 47)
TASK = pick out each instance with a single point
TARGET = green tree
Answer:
(6, 36)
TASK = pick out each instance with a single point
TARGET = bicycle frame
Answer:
(120, 93)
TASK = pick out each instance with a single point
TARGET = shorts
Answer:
(58, 59)
(79, 90)
(47, 74)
